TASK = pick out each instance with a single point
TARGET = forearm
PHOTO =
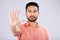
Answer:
(14, 30)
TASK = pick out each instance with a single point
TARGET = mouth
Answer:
(32, 16)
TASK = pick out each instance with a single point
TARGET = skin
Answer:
(31, 14)
(13, 21)
(32, 11)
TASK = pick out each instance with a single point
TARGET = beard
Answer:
(32, 18)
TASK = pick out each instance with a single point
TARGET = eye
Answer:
(29, 10)
(35, 11)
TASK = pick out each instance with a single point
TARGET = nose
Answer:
(32, 13)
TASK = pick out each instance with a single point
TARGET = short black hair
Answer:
(32, 4)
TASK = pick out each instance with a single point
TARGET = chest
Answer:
(30, 33)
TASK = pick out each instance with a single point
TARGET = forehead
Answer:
(32, 8)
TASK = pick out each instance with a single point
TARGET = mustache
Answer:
(32, 16)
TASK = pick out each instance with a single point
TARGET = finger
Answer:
(11, 14)
(18, 13)
(14, 13)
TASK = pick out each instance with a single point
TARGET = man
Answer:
(30, 30)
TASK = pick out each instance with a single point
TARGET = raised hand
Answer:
(14, 17)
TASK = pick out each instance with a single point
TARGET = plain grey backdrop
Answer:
(49, 16)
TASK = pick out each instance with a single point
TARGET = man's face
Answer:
(32, 13)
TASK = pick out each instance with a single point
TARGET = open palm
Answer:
(14, 16)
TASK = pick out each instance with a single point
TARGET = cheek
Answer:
(36, 14)
(27, 14)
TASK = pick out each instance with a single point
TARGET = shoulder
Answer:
(44, 29)
(22, 25)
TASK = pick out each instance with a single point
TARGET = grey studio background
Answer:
(49, 16)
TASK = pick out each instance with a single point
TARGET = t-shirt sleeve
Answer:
(19, 29)
(46, 33)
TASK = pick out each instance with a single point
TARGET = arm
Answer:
(47, 36)
(13, 22)
(14, 30)
(46, 33)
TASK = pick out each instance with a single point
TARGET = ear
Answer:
(38, 13)
(25, 13)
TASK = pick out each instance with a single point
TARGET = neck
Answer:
(32, 23)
